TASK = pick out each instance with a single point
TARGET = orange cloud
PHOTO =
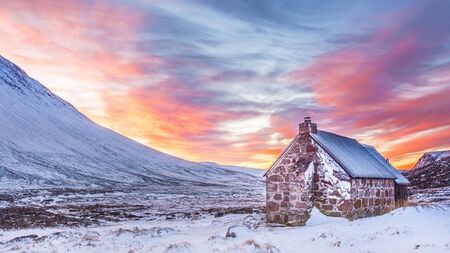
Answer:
(169, 117)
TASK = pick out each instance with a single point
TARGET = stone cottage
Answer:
(338, 175)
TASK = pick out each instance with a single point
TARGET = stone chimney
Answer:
(307, 127)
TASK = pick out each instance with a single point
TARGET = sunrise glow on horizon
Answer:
(229, 81)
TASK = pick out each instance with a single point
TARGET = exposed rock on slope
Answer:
(431, 157)
(431, 171)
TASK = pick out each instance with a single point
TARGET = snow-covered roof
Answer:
(400, 179)
(352, 156)
(359, 160)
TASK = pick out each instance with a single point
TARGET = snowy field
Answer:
(412, 229)
(198, 219)
(439, 195)
(75, 207)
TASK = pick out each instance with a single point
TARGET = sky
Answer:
(229, 81)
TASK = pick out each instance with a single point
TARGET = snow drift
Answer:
(412, 229)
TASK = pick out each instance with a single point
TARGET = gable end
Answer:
(285, 151)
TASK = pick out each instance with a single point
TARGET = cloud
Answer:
(384, 85)
(77, 48)
(229, 81)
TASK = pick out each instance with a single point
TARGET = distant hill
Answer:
(431, 171)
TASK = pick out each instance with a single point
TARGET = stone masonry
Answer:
(289, 186)
(372, 197)
(306, 176)
(332, 187)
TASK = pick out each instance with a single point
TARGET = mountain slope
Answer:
(431, 171)
(431, 157)
(46, 142)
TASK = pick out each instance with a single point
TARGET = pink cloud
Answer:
(364, 85)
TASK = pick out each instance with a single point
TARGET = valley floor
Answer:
(89, 207)
(198, 219)
(411, 229)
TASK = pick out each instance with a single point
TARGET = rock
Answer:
(272, 187)
(252, 222)
(272, 207)
(276, 178)
(238, 231)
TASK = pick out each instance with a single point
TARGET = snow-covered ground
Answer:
(72, 207)
(440, 195)
(412, 229)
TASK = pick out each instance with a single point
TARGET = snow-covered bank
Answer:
(412, 229)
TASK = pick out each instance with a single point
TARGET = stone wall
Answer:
(289, 185)
(372, 197)
(332, 187)
(307, 176)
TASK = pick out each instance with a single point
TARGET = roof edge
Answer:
(340, 163)
(281, 155)
(389, 165)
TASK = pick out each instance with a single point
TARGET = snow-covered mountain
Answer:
(432, 170)
(431, 157)
(46, 142)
